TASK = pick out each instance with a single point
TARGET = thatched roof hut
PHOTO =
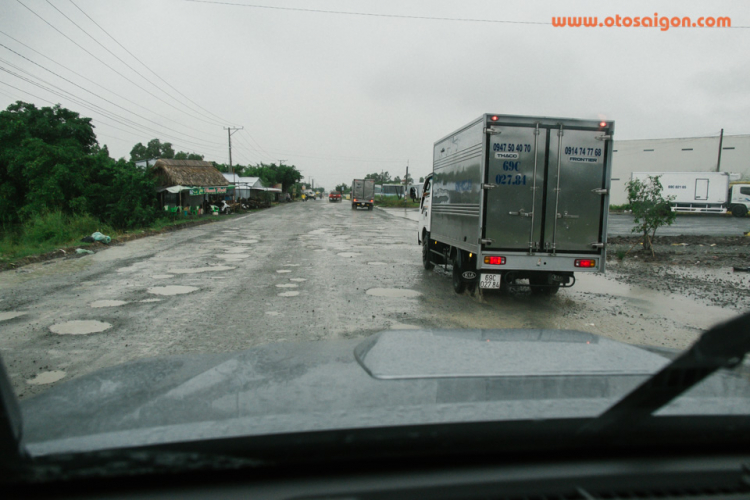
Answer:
(194, 173)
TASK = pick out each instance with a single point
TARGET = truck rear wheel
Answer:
(739, 210)
(426, 262)
(458, 284)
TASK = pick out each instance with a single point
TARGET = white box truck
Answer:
(363, 193)
(515, 198)
(702, 192)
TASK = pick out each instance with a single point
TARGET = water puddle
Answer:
(107, 303)
(246, 242)
(233, 256)
(10, 315)
(283, 270)
(171, 290)
(272, 313)
(230, 232)
(287, 285)
(393, 292)
(235, 250)
(288, 294)
(348, 254)
(195, 270)
(297, 279)
(44, 378)
(678, 308)
(79, 327)
(146, 301)
(377, 263)
(162, 276)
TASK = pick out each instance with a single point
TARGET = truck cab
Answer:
(739, 199)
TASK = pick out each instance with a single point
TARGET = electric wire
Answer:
(92, 93)
(144, 64)
(118, 57)
(110, 67)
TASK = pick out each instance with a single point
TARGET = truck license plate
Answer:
(489, 281)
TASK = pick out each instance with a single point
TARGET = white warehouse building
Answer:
(692, 154)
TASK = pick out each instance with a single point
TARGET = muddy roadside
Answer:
(714, 269)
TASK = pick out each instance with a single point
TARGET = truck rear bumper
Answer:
(542, 262)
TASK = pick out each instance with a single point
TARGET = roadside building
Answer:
(188, 183)
(690, 154)
(251, 188)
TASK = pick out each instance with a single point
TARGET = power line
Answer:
(89, 91)
(144, 64)
(118, 57)
(97, 120)
(369, 14)
(94, 107)
(110, 67)
(87, 79)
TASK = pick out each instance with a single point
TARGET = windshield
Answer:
(171, 252)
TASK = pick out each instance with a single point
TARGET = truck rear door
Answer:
(548, 189)
(574, 208)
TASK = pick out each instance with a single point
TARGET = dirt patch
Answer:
(708, 268)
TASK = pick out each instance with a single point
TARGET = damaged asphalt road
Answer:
(307, 271)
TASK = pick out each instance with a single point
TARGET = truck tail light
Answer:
(494, 118)
(355, 199)
(585, 263)
(370, 201)
(495, 261)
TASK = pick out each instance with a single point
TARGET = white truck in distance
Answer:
(363, 193)
(516, 198)
(702, 192)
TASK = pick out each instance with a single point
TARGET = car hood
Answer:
(393, 378)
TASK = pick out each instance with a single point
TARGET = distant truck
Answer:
(363, 193)
(516, 198)
(702, 192)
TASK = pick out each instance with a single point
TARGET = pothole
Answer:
(283, 270)
(195, 270)
(10, 315)
(47, 377)
(288, 294)
(107, 303)
(393, 292)
(348, 254)
(287, 285)
(79, 327)
(171, 290)
(235, 250)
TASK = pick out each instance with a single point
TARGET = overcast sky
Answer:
(340, 95)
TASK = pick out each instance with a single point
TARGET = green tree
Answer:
(154, 149)
(421, 180)
(380, 178)
(42, 154)
(651, 210)
(182, 155)
(343, 189)
(50, 162)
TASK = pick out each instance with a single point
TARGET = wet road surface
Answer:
(302, 271)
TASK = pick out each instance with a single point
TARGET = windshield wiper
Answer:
(724, 346)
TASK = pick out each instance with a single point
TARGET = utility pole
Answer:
(406, 179)
(721, 140)
(230, 131)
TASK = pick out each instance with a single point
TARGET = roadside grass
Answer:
(396, 203)
(50, 232)
(45, 233)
